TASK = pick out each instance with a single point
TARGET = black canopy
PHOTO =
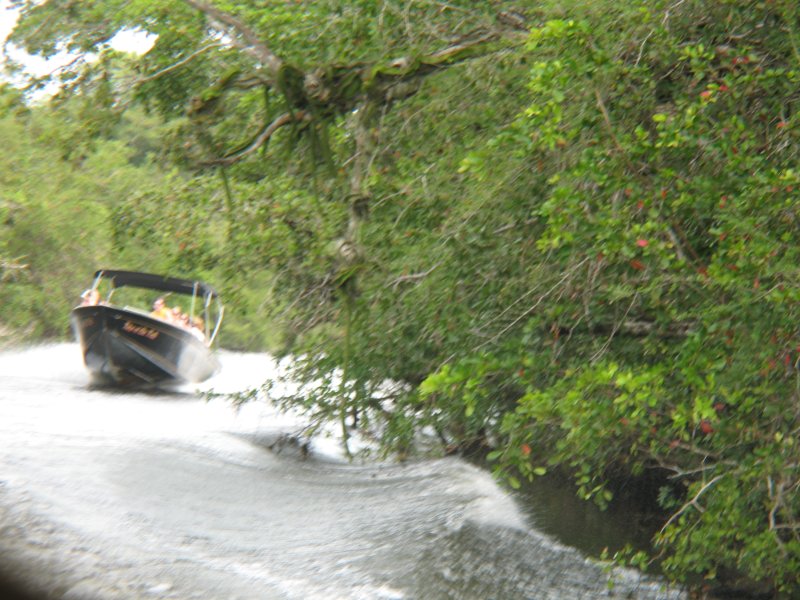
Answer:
(156, 282)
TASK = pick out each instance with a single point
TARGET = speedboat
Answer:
(147, 342)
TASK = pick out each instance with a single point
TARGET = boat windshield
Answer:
(191, 304)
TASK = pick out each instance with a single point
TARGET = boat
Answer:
(135, 345)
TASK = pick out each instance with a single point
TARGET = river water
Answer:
(107, 495)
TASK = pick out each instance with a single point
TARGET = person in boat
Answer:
(199, 324)
(181, 318)
(161, 310)
(198, 333)
(176, 316)
(197, 327)
(90, 297)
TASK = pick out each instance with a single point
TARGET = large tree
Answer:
(279, 96)
(566, 232)
(287, 102)
(336, 64)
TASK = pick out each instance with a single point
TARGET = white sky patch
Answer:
(8, 19)
(133, 41)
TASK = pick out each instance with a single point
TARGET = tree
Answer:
(217, 70)
(667, 340)
(59, 187)
(570, 245)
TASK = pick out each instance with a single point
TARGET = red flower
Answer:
(526, 449)
(642, 243)
(637, 264)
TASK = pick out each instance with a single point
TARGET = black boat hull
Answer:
(126, 347)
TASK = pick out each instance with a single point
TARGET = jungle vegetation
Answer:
(565, 230)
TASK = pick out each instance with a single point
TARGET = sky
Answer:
(7, 20)
(128, 41)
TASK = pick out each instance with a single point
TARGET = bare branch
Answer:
(413, 276)
(669, 10)
(607, 119)
(241, 35)
(692, 503)
(260, 139)
(616, 328)
(177, 65)
(450, 51)
(677, 244)
(567, 275)
(9, 268)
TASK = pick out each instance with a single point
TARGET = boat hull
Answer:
(130, 348)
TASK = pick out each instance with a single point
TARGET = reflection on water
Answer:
(555, 508)
(126, 495)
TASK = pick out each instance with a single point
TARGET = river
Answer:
(121, 495)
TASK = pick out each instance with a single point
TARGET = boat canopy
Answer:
(155, 282)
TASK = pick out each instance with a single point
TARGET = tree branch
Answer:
(446, 53)
(607, 119)
(413, 276)
(241, 35)
(176, 65)
(693, 502)
(259, 140)
(596, 356)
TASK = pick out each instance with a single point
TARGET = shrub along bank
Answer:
(570, 239)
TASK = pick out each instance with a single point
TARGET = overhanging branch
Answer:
(241, 35)
(177, 65)
(259, 140)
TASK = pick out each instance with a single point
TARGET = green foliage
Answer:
(572, 249)
(41, 197)
(671, 183)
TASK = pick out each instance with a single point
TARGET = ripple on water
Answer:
(170, 495)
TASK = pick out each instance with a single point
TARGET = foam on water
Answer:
(126, 495)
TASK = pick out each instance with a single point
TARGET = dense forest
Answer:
(564, 230)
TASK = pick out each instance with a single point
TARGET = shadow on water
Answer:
(631, 519)
(552, 505)
(11, 589)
